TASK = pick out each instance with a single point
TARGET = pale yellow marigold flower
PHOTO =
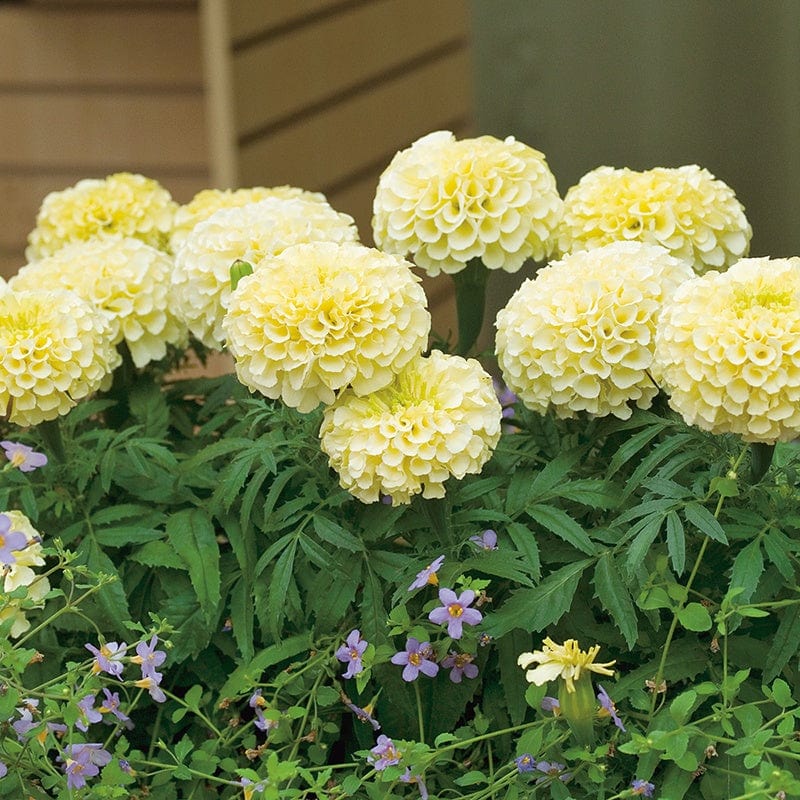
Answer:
(207, 201)
(438, 418)
(129, 281)
(201, 278)
(685, 209)
(447, 202)
(123, 203)
(566, 661)
(728, 350)
(55, 349)
(320, 317)
(580, 336)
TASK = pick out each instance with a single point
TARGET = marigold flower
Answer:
(321, 317)
(580, 336)
(126, 279)
(566, 661)
(252, 232)
(447, 202)
(685, 209)
(439, 417)
(55, 349)
(728, 350)
(123, 203)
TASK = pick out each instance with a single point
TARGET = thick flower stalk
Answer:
(728, 350)
(321, 317)
(55, 349)
(207, 201)
(124, 278)
(123, 203)
(251, 233)
(447, 202)
(438, 418)
(580, 337)
(685, 209)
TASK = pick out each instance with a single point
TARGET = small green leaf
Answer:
(680, 708)
(695, 617)
(705, 522)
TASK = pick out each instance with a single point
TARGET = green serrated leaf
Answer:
(111, 598)
(695, 617)
(615, 597)
(281, 578)
(705, 522)
(785, 643)
(524, 540)
(680, 708)
(647, 531)
(676, 542)
(333, 533)
(562, 525)
(158, 554)
(242, 617)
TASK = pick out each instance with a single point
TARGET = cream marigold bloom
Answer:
(123, 203)
(566, 661)
(685, 209)
(580, 337)
(55, 349)
(252, 232)
(447, 202)
(129, 281)
(438, 418)
(207, 201)
(728, 350)
(320, 317)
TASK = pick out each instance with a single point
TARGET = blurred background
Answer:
(322, 93)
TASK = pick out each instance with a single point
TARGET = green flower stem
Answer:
(760, 459)
(470, 286)
(420, 721)
(50, 432)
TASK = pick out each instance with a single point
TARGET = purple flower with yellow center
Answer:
(455, 611)
(551, 704)
(428, 575)
(82, 761)
(525, 763)
(24, 458)
(384, 754)
(486, 541)
(552, 770)
(607, 707)
(416, 658)
(364, 714)
(409, 777)
(151, 683)
(642, 788)
(10, 541)
(89, 713)
(350, 653)
(460, 665)
(108, 658)
(251, 788)
(149, 658)
(26, 722)
(111, 706)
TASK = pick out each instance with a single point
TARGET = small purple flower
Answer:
(82, 761)
(460, 664)
(525, 763)
(551, 704)
(89, 713)
(3, 770)
(258, 704)
(484, 639)
(428, 575)
(108, 658)
(407, 777)
(151, 683)
(607, 707)
(455, 612)
(552, 770)
(149, 658)
(486, 541)
(643, 788)
(256, 700)
(10, 541)
(111, 706)
(384, 754)
(365, 715)
(24, 458)
(125, 766)
(23, 726)
(350, 653)
(416, 658)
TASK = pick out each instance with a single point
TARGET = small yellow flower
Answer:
(566, 661)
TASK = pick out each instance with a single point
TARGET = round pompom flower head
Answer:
(55, 349)
(123, 203)
(321, 317)
(438, 418)
(447, 202)
(580, 337)
(125, 279)
(202, 279)
(684, 209)
(728, 350)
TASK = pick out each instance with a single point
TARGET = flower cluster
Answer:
(321, 317)
(124, 278)
(550, 769)
(110, 659)
(580, 336)
(251, 233)
(686, 210)
(123, 203)
(447, 202)
(728, 350)
(439, 417)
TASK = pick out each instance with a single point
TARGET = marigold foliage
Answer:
(447, 202)
(321, 317)
(580, 336)
(728, 350)
(439, 417)
(685, 209)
